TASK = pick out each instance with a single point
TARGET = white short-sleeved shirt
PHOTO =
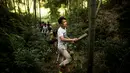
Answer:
(61, 32)
(45, 28)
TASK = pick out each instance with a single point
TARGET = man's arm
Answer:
(68, 39)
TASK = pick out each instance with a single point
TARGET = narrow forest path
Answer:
(50, 65)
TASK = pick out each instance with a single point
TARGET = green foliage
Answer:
(78, 15)
(107, 20)
(110, 48)
(109, 55)
(23, 49)
(22, 45)
(54, 5)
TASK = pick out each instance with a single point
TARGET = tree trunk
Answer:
(28, 7)
(19, 10)
(14, 6)
(4, 3)
(92, 17)
(35, 12)
(40, 11)
(25, 6)
(68, 7)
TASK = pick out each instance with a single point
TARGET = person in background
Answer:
(45, 29)
(41, 27)
(53, 40)
(49, 27)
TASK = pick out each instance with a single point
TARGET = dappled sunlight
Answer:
(40, 11)
(45, 11)
(85, 4)
(62, 11)
(104, 1)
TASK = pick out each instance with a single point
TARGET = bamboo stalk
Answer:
(91, 38)
(100, 1)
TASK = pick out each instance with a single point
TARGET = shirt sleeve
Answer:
(60, 33)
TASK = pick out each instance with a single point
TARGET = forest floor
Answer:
(50, 66)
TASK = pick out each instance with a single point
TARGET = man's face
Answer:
(64, 22)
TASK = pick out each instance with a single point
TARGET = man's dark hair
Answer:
(60, 19)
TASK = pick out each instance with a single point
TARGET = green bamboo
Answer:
(91, 37)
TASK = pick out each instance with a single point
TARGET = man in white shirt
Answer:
(45, 29)
(62, 42)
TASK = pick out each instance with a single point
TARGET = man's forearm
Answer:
(67, 40)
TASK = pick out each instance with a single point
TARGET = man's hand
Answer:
(74, 40)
